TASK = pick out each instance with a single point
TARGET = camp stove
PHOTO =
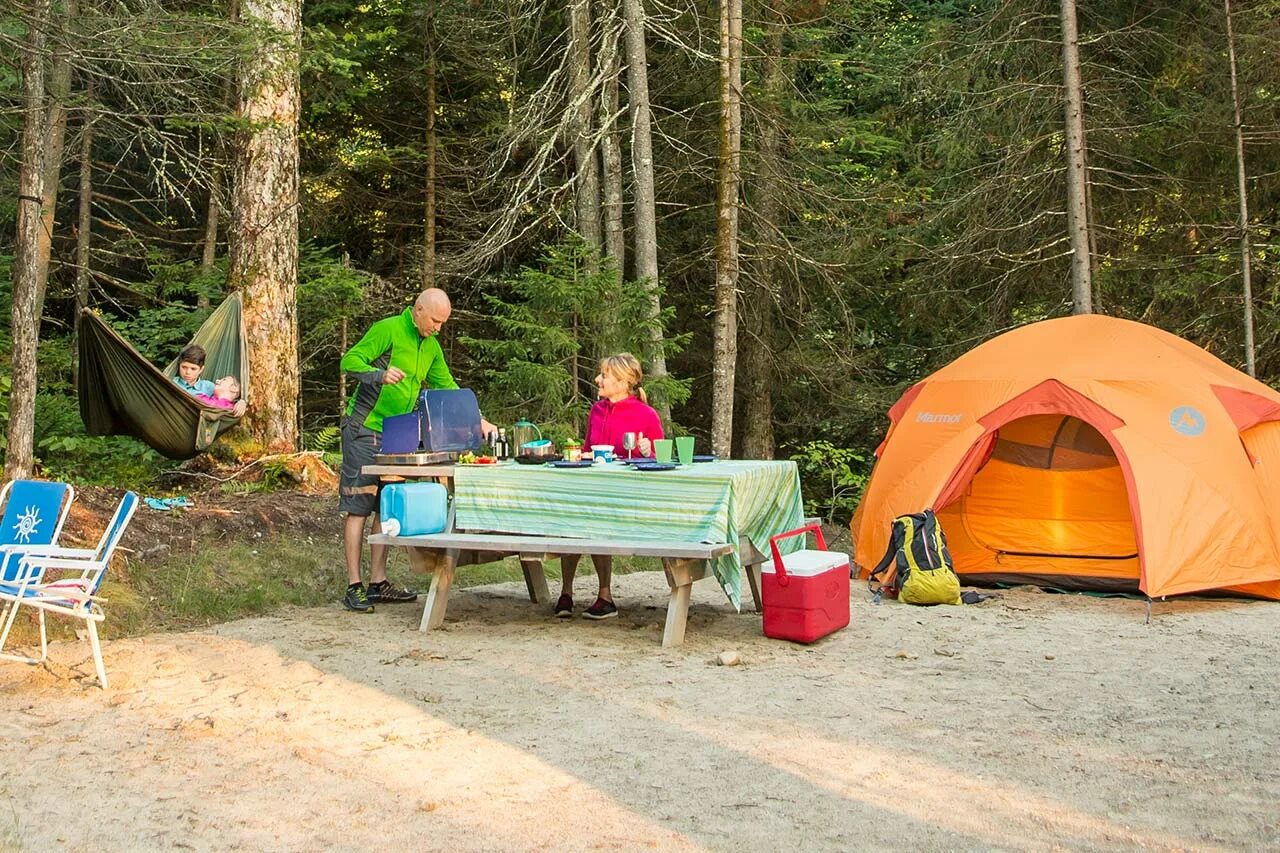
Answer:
(421, 457)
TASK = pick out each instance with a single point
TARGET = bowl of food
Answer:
(536, 452)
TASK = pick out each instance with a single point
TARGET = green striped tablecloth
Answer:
(705, 502)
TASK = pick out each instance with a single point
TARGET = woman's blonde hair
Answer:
(625, 367)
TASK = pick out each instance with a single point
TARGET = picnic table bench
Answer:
(442, 553)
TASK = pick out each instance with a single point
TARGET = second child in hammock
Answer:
(222, 394)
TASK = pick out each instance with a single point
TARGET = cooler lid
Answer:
(805, 564)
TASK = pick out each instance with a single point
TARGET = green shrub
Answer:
(57, 415)
(832, 479)
(106, 460)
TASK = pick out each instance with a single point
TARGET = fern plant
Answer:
(326, 441)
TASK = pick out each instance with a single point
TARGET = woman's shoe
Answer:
(601, 610)
(564, 606)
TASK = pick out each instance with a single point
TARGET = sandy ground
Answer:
(1033, 721)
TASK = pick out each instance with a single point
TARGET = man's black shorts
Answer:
(358, 492)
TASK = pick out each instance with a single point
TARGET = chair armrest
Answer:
(62, 562)
(48, 551)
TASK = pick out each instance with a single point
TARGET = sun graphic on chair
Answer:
(27, 524)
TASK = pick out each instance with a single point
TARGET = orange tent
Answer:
(1088, 452)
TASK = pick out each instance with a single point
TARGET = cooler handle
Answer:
(778, 568)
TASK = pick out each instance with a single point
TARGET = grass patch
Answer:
(228, 579)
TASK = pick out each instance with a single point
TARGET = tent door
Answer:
(1049, 506)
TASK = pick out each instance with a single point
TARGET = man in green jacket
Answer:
(391, 364)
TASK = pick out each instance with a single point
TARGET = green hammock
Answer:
(122, 393)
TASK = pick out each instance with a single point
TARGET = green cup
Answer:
(684, 449)
(662, 450)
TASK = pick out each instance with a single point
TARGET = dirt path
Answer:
(1029, 722)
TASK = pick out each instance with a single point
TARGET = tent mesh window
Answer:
(1053, 442)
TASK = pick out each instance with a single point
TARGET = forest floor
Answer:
(1029, 721)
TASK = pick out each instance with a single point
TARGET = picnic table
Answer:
(716, 515)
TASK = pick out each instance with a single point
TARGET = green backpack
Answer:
(922, 569)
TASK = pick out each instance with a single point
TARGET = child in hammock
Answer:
(226, 395)
(190, 366)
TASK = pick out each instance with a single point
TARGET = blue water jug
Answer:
(414, 509)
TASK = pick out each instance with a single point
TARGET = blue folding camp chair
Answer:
(34, 512)
(64, 581)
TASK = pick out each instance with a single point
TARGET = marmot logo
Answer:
(935, 418)
(1187, 420)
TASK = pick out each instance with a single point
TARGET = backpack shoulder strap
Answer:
(895, 542)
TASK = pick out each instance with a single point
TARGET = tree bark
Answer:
(264, 229)
(84, 226)
(758, 313)
(343, 345)
(213, 213)
(1246, 252)
(615, 238)
(646, 222)
(1077, 169)
(20, 451)
(429, 207)
(209, 251)
(587, 183)
(725, 334)
(59, 82)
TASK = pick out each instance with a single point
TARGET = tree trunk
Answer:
(209, 251)
(429, 208)
(55, 137)
(264, 229)
(587, 183)
(615, 238)
(342, 374)
(20, 451)
(1077, 171)
(1246, 262)
(84, 226)
(646, 223)
(213, 213)
(725, 346)
(758, 306)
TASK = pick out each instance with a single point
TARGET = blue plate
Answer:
(564, 463)
(656, 466)
(698, 458)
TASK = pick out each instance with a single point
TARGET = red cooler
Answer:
(807, 597)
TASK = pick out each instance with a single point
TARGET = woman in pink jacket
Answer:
(622, 408)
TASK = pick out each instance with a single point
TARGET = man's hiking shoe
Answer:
(386, 591)
(564, 607)
(356, 599)
(601, 610)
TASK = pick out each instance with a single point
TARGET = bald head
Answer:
(430, 311)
